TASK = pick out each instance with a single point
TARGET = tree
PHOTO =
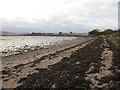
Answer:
(94, 32)
(60, 33)
(108, 31)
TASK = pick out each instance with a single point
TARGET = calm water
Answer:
(16, 44)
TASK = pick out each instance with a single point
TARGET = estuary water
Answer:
(18, 44)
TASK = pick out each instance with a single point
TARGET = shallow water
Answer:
(17, 44)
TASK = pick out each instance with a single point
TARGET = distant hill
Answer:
(7, 33)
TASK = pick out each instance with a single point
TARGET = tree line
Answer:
(56, 34)
(97, 32)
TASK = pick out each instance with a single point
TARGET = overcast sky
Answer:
(58, 15)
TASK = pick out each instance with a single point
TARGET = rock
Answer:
(77, 63)
(25, 50)
(76, 77)
(53, 86)
(91, 69)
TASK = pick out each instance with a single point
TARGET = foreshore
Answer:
(21, 65)
(31, 55)
(93, 64)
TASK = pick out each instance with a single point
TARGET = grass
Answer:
(115, 39)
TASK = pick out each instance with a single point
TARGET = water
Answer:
(18, 44)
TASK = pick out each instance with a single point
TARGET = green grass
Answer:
(115, 39)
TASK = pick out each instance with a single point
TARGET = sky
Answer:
(81, 16)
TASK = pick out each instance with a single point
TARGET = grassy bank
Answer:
(112, 35)
(115, 39)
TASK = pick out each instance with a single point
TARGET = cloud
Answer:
(59, 15)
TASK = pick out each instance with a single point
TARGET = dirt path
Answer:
(15, 73)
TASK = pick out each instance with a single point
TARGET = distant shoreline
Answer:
(50, 35)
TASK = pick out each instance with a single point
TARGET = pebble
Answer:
(77, 63)
(53, 86)
(76, 77)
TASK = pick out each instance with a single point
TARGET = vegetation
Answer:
(112, 35)
(115, 39)
(97, 32)
(59, 34)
